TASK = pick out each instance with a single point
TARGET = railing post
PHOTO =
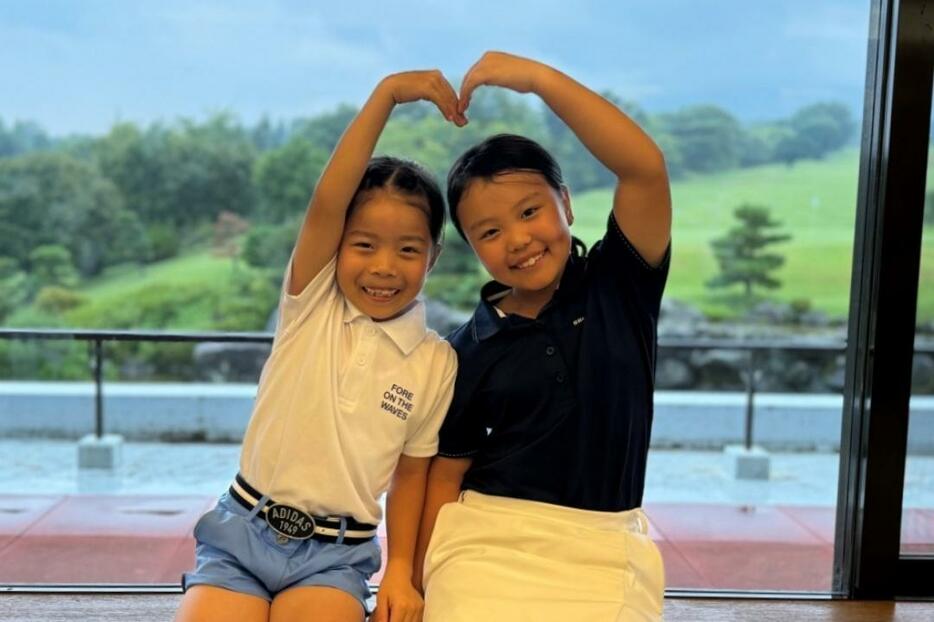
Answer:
(750, 395)
(98, 393)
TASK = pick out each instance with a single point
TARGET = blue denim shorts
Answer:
(237, 550)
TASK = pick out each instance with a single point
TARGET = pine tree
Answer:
(741, 252)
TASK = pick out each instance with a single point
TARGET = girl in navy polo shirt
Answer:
(532, 509)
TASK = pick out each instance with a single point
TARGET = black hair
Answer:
(408, 178)
(502, 153)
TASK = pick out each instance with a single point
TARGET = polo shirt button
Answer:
(550, 350)
(361, 362)
(280, 539)
(559, 378)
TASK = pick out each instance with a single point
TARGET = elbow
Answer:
(655, 165)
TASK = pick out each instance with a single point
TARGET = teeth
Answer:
(531, 261)
(381, 293)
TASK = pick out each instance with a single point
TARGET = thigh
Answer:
(320, 604)
(206, 603)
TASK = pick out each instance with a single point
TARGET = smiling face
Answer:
(519, 227)
(385, 254)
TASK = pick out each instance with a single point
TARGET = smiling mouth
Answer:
(380, 293)
(530, 262)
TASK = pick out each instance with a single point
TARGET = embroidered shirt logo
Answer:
(399, 401)
(577, 321)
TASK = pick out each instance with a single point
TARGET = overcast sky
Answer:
(79, 66)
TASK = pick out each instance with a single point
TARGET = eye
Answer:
(363, 245)
(411, 250)
(489, 233)
(530, 211)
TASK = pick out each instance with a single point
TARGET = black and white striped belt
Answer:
(293, 523)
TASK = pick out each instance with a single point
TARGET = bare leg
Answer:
(315, 604)
(206, 603)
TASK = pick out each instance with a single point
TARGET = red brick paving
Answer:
(147, 539)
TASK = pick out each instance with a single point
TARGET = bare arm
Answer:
(444, 486)
(642, 200)
(323, 226)
(397, 599)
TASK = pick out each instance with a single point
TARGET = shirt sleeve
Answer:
(423, 441)
(464, 430)
(322, 289)
(614, 259)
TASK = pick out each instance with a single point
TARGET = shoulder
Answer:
(436, 351)
(462, 336)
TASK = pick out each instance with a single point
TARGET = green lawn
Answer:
(816, 203)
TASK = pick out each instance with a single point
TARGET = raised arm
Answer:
(323, 226)
(642, 200)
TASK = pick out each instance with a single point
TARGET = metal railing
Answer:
(753, 348)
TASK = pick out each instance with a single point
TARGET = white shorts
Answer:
(498, 559)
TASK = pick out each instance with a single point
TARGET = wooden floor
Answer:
(161, 607)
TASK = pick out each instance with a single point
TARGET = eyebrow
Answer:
(404, 238)
(532, 195)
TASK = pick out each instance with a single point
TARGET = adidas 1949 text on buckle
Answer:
(295, 524)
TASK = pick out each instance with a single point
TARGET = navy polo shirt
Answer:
(559, 408)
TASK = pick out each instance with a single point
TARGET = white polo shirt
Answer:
(340, 398)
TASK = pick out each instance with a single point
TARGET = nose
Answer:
(383, 264)
(518, 239)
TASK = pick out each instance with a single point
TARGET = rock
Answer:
(922, 375)
(674, 373)
(230, 362)
(719, 369)
(442, 318)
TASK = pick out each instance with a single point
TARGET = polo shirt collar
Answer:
(406, 331)
(487, 322)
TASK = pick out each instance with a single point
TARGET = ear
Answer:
(435, 253)
(566, 204)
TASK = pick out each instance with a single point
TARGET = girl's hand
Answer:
(397, 600)
(430, 85)
(499, 69)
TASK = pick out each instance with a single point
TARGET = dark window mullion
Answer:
(883, 302)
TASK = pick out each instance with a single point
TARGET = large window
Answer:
(163, 199)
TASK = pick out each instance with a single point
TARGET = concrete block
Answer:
(753, 463)
(105, 452)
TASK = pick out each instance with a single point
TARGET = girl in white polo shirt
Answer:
(349, 403)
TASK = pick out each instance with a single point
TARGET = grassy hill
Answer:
(815, 201)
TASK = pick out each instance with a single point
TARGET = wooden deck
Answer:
(161, 608)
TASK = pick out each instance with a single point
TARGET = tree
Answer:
(285, 178)
(182, 175)
(929, 209)
(52, 198)
(227, 231)
(14, 286)
(51, 265)
(741, 252)
(22, 137)
(709, 138)
(326, 129)
(814, 131)
(268, 247)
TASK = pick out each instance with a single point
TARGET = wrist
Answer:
(384, 91)
(540, 76)
(399, 566)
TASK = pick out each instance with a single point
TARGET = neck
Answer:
(527, 303)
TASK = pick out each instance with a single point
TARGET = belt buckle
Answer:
(290, 522)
